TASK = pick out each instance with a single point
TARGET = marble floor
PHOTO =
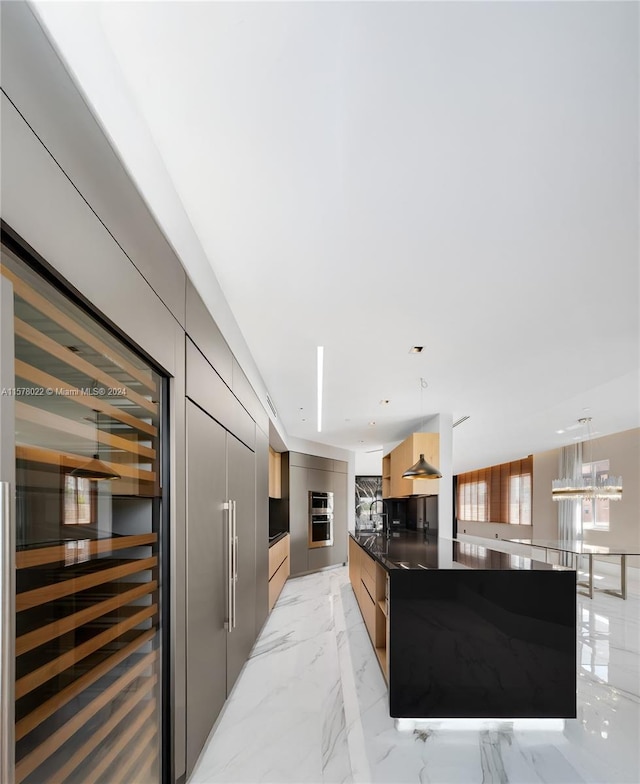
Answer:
(310, 706)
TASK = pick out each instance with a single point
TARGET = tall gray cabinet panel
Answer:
(310, 472)
(241, 484)
(206, 577)
(298, 519)
(262, 529)
(341, 503)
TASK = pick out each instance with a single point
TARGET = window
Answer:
(498, 494)
(473, 501)
(79, 501)
(595, 512)
(520, 499)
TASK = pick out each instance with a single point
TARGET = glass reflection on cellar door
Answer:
(88, 658)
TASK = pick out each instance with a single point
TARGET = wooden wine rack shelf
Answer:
(109, 615)
(62, 353)
(36, 300)
(31, 640)
(35, 758)
(25, 725)
(46, 380)
(57, 553)
(88, 665)
(49, 593)
(37, 416)
(37, 454)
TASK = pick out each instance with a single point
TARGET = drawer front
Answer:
(277, 553)
(369, 582)
(368, 565)
(276, 583)
(368, 608)
(354, 564)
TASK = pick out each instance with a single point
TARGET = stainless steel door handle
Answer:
(228, 624)
(235, 562)
(7, 635)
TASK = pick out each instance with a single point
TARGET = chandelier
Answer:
(587, 487)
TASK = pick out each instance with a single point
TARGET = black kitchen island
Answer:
(462, 631)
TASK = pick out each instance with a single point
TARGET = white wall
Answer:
(495, 530)
(369, 463)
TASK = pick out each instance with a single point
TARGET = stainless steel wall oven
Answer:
(320, 519)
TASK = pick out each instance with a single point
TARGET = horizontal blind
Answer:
(497, 494)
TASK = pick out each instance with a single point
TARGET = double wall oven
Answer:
(320, 519)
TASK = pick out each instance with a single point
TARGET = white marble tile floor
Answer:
(311, 706)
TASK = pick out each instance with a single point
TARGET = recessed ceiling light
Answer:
(372, 422)
(320, 371)
(384, 402)
(559, 432)
(416, 349)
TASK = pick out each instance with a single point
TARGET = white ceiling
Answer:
(372, 176)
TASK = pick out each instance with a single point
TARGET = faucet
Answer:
(382, 514)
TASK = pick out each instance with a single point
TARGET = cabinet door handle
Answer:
(235, 562)
(229, 624)
(7, 636)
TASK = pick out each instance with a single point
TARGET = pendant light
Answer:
(422, 469)
(587, 487)
(95, 468)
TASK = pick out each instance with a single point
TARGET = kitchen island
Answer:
(462, 631)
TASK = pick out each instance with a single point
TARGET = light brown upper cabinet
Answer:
(275, 474)
(405, 455)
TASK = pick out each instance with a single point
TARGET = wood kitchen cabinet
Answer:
(275, 474)
(405, 455)
(369, 582)
(279, 568)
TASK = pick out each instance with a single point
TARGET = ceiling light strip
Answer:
(320, 379)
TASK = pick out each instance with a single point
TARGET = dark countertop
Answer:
(414, 550)
(273, 538)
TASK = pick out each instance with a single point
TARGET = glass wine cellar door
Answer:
(80, 573)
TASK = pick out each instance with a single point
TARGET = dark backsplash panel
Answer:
(278, 516)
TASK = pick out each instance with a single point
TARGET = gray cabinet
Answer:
(337, 553)
(310, 461)
(202, 328)
(300, 474)
(262, 529)
(206, 577)
(241, 482)
(220, 468)
(298, 519)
